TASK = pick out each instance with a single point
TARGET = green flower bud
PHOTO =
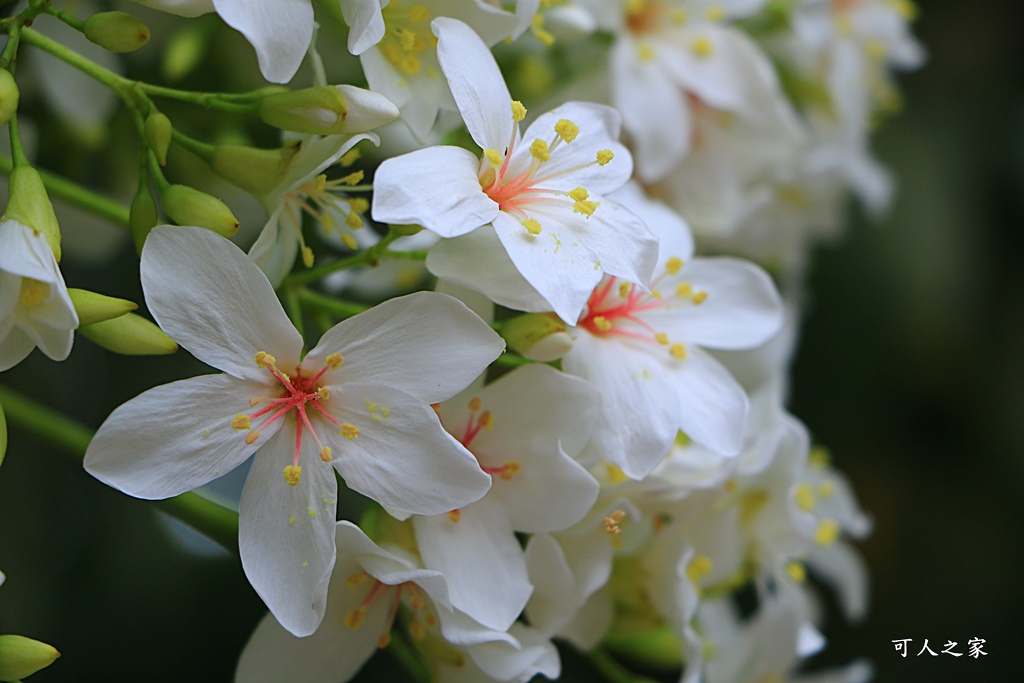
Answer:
(257, 171)
(158, 135)
(143, 215)
(93, 307)
(188, 206)
(116, 31)
(659, 648)
(317, 111)
(537, 336)
(30, 206)
(21, 657)
(3, 437)
(9, 96)
(406, 230)
(131, 335)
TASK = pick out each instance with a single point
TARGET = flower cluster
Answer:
(581, 435)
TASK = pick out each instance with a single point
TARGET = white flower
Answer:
(35, 309)
(361, 396)
(539, 196)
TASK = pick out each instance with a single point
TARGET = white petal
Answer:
(619, 238)
(427, 344)
(286, 533)
(274, 251)
(481, 559)
(366, 110)
(14, 348)
(210, 298)
(843, 569)
(555, 598)
(402, 457)
(366, 24)
(279, 30)
(721, 78)
(476, 83)
(675, 240)
(23, 252)
(175, 437)
(435, 187)
(713, 406)
(532, 654)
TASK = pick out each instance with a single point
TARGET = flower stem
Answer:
(216, 521)
(337, 307)
(417, 255)
(369, 257)
(611, 669)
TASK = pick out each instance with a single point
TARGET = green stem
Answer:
(292, 300)
(407, 657)
(337, 307)
(244, 103)
(203, 150)
(370, 257)
(18, 157)
(613, 671)
(510, 360)
(73, 22)
(76, 194)
(417, 255)
(122, 86)
(216, 521)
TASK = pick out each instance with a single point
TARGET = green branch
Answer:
(369, 257)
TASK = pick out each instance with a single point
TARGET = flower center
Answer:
(322, 199)
(34, 292)
(300, 394)
(407, 36)
(421, 615)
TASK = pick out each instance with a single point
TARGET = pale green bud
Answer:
(257, 171)
(93, 307)
(116, 31)
(188, 206)
(143, 216)
(131, 335)
(406, 230)
(328, 110)
(9, 96)
(21, 657)
(158, 135)
(30, 206)
(537, 336)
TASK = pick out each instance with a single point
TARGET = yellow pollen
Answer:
(905, 8)
(567, 130)
(475, 403)
(509, 470)
(354, 221)
(354, 179)
(604, 156)
(350, 241)
(539, 150)
(384, 640)
(602, 323)
(323, 393)
(334, 361)
(355, 618)
(355, 580)
(264, 360)
(251, 437)
(455, 516)
(730, 485)
(430, 620)
(636, 6)
(241, 422)
(699, 567)
(615, 474)
(419, 13)
(876, 50)
(579, 194)
(702, 47)
(410, 65)
(325, 453)
(819, 457)
(679, 17)
(417, 631)
(827, 532)
(350, 157)
(624, 289)
(700, 297)
(349, 430)
(613, 522)
(673, 265)
(359, 205)
(585, 206)
(494, 157)
(678, 351)
(537, 26)
(532, 226)
(804, 496)
(486, 419)
(254, 401)
(714, 13)
(518, 111)
(796, 571)
(307, 257)
(407, 39)
(656, 293)
(292, 474)
(826, 489)
(311, 512)
(684, 290)
(661, 338)
(33, 292)
(750, 504)
(644, 52)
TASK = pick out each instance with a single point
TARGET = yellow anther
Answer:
(699, 298)
(241, 422)
(311, 512)
(804, 496)
(292, 474)
(251, 437)
(384, 640)
(354, 178)
(537, 26)
(486, 419)
(714, 13)
(905, 8)
(673, 265)
(702, 47)
(826, 489)
(349, 430)
(407, 39)
(307, 257)
(624, 288)
(475, 403)
(265, 360)
(678, 351)
(356, 617)
(539, 150)
(494, 157)
(579, 194)
(334, 361)
(430, 620)
(844, 25)
(684, 290)
(419, 13)
(636, 6)
(679, 17)
(532, 226)
(410, 65)
(661, 338)
(567, 130)
(510, 469)
(254, 401)
(827, 532)
(417, 631)
(819, 457)
(359, 205)
(325, 453)
(354, 221)
(699, 567)
(876, 50)
(644, 52)
(656, 293)
(585, 206)
(355, 580)
(730, 485)
(615, 474)
(613, 522)
(455, 516)
(518, 111)
(34, 292)
(604, 156)
(796, 571)
(602, 323)
(349, 241)
(350, 157)
(328, 222)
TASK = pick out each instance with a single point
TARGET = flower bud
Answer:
(130, 335)
(21, 657)
(327, 110)
(9, 96)
(116, 31)
(659, 647)
(30, 206)
(158, 135)
(143, 216)
(406, 230)
(537, 336)
(93, 307)
(188, 206)
(257, 171)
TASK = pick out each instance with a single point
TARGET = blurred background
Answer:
(909, 370)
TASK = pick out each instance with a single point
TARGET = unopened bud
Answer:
(143, 215)
(94, 308)
(30, 206)
(130, 335)
(188, 206)
(327, 110)
(9, 96)
(158, 135)
(116, 31)
(257, 171)
(537, 336)
(406, 230)
(21, 657)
